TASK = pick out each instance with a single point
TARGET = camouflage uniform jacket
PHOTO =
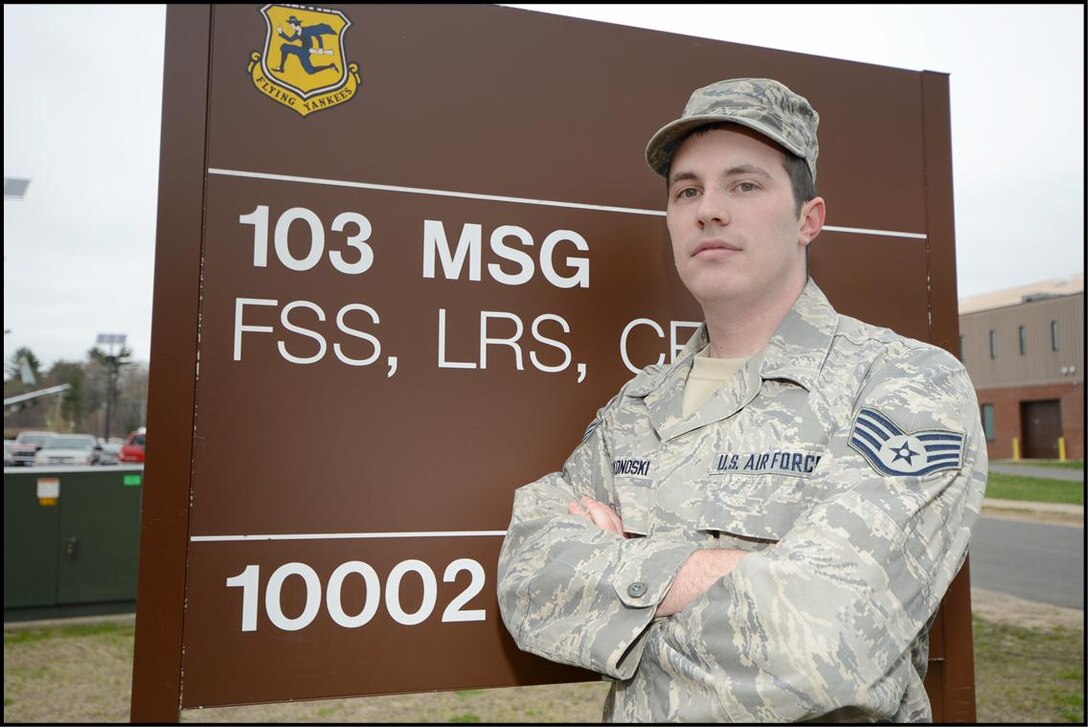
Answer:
(849, 460)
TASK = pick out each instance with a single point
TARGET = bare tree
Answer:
(71, 407)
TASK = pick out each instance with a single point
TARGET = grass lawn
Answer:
(1027, 676)
(1015, 487)
(73, 674)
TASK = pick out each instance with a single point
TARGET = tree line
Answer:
(87, 404)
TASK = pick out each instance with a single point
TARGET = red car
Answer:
(132, 451)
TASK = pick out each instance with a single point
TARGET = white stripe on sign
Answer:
(501, 198)
(347, 536)
(432, 192)
(879, 233)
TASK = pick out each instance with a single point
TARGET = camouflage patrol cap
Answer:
(761, 104)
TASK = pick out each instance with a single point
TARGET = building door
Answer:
(1041, 423)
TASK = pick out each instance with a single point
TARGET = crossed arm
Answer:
(698, 573)
(832, 617)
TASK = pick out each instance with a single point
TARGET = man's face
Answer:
(731, 216)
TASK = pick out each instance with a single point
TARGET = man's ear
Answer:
(813, 213)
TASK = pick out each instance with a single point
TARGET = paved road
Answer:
(1029, 560)
(1047, 473)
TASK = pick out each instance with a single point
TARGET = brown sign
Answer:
(404, 254)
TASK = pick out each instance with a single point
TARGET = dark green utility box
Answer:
(71, 540)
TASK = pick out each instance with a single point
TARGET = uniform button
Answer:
(636, 589)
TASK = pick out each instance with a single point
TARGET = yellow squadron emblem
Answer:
(303, 65)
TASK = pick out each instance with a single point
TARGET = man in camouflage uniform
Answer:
(764, 529)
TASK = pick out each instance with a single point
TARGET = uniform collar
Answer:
(795, 352)
(799, 346)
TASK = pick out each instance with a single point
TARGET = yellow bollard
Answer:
(1016, 449)
(1061, 449)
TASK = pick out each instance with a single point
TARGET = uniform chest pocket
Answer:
(634, 505)
(763, 507)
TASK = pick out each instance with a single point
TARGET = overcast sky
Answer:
(82, 101)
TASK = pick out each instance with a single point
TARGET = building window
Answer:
(993, 344)
(988, 421)
(1023, 341)
(1053, 335)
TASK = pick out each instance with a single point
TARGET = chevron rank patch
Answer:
(892, 451)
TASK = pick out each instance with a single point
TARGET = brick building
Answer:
(1024, 350)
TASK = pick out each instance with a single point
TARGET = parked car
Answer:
(111, 452)
(132, 451)
(69, 450)
(8, 461)
(26, 445)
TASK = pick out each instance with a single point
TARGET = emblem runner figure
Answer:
(306, 36)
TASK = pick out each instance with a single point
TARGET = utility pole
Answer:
(112, 367)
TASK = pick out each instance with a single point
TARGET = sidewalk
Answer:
(118, 618)
(1026, 469)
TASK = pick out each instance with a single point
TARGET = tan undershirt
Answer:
(706, 376)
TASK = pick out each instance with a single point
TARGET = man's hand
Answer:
(699, 572)
(597, 513)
